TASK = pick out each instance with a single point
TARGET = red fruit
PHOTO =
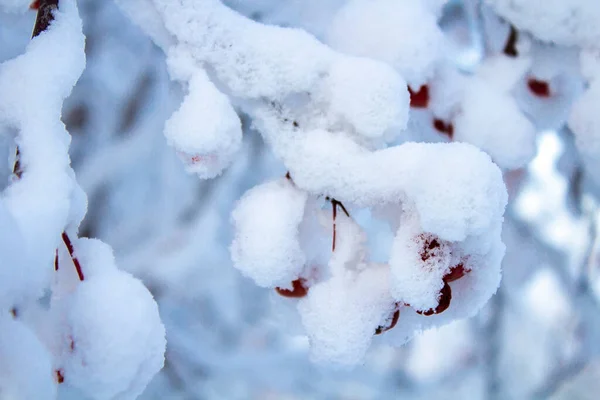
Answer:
(35, 5)
(444, 302)
(380, 329)
(538, 87)
(298, 289)
(419, 99)
(456, 272)
(443, 127)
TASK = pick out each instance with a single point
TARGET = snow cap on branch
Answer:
(266, 221)
(402, 33)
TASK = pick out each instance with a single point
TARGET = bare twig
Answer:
(334, 205)
(71, 250)
(493, 346)
(510, 48)
(45, 15)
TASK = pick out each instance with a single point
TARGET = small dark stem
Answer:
(17, 167)
(510, 49)
(334, 205)
(334, 208)
(44, 16)
(71, 250)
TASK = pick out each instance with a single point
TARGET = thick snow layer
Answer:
(563, 22)
(341, 314)
(19, 278)
(372, 106)
(436, 177)
(419, 261)
(113, 341)
(402, 33)
(205, 131)
(267, 65)
(34, 86)
(491, 120)
(25, 366)
(327, 115)
(266, 246)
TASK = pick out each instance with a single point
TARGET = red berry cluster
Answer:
(420, 99)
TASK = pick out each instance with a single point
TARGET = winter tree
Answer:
(359, 199)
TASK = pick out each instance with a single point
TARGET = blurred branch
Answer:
(492, 337)
(561, 375)
(586, 305)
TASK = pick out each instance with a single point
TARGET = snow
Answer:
(370, 106)
(562, 22)
(329, 163)
(418, 261)
(31, 103)
(402, 33)
(205, 131)
(491, 120)
(102, 333)
(341, 314)
(333, 114)
(267, 249)
(25, 365)
(19, 281)
(251, 59)
(113, 340)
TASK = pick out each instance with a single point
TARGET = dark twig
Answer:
(510, 49)
(334, 205)
(71, 250)
(45, 15)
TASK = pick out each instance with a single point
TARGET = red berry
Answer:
(456, 272)
(419, 99)
(298, 289)
(35, 5)
(380, 329)
(443, 127)
(444, 302)
(538, 87)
